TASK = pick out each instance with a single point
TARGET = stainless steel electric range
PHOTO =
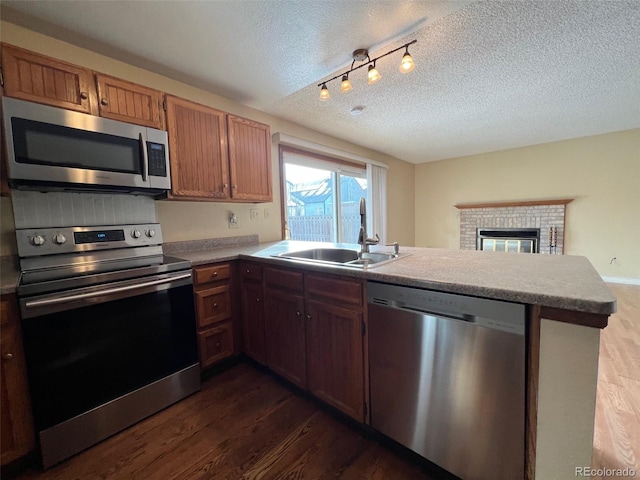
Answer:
(109, 331)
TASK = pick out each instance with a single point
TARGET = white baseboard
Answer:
(626, 281)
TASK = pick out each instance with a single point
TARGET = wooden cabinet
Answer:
(249, 160)
(216, 156)
(197, 150)
(128, 102)
(316, 335)
(336, 341)
(214, 313)
(16, 425)
(253, 311)
(284, 324)
(41, 79)
(33, 77)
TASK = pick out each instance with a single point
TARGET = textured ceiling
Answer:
(489, 75)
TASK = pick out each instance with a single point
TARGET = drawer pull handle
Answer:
(83, 95)
(215, 305)
(215, 274)
(8, 356)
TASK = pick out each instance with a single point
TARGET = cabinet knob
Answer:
(248, 271)
(257, 299)
(225, 186)
(83, 95)
(218, 345)
(8, 356)
(215, 305)
(235, 187)
(298, 314)
(215, 274)
(104, 101)
(308, 317)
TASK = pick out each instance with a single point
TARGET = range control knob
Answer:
(150, 233)
(135, 233)
(36, 240)
(59, 238)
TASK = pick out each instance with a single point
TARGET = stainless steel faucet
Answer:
(363, 241)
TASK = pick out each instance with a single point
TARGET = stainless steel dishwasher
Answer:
(447, 377)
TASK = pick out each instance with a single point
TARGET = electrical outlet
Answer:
(254, 214)
(267, 213)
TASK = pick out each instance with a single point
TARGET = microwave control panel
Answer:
(156, 152)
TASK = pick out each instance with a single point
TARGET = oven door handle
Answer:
(99, 293)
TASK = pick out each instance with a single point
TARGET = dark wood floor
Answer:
(242, 425)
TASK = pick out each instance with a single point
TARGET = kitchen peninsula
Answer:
(567, 304)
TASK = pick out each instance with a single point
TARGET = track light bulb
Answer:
(373, 75)
(407, 64)
(324, 92)
(346, 84)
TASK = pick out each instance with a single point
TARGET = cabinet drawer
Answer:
(250, 271)
(213, 305)
(212, 273)
(285, 280)
(335, 290)
(215, 344)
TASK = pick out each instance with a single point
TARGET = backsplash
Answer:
(64, 209)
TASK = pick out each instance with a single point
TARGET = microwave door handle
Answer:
(144, 158)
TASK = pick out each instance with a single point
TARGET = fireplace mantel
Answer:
(525, 203)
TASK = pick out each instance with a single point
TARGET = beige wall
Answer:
(601, 172)
(197, 220)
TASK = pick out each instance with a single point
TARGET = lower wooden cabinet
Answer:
(285, 335)
(16, 424)
(215, 344)
(252, 296)
(213, 293)
(315, 335)
(335, 356)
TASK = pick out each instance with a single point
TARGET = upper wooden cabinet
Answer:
(33, 77)
(216, 156)
(197, 150)
(41, 79)
(128, 102)
(249, 160)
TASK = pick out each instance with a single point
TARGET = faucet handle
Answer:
(396, 247)
(373, 241)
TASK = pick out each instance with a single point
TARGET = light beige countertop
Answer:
(558, 281)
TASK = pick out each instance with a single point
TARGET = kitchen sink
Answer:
(341, 256)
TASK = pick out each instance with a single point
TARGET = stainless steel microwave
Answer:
(51, 148)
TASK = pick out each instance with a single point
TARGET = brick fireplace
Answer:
(546, 215)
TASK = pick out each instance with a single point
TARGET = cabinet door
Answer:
(33, 77)
(197, 150)
(215, 344)
(213, 305)
(249, 160)
(335, 357)
(253, 321)
(128, 102)
(285, 335)
(16, 427)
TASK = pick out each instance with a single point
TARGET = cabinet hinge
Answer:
(364, 409)
(363, 328)
(164, 105)
(1, 76)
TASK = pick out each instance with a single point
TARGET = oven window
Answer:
(45, 144)
(80, 359)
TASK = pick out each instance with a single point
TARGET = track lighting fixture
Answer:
(406, 65)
